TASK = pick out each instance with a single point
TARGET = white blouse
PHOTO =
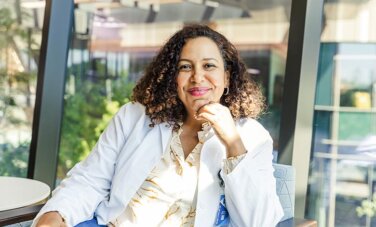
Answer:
(167, 198)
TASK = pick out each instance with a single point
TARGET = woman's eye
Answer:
(184, 67)
(209, 66)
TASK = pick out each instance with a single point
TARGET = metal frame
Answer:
(57, 27)
(299, 93)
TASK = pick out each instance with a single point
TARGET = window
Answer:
(20, 37)
(344, 130)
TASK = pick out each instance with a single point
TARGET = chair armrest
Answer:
(18, 215)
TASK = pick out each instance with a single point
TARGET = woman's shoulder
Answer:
(132, 109)
(133, 106)
(252, 127)
(131, 112)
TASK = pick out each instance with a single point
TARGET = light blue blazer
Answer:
(129, 149)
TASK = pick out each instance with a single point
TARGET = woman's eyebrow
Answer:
(183, 59)
(207, 59)
(204, 59)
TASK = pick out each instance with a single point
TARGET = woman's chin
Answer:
(197, 104)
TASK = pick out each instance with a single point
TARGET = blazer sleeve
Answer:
(250, 189)
(89, 182)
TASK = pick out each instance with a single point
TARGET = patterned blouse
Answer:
(167, 198)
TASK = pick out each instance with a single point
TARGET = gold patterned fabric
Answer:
(167, 198)
(230, 163)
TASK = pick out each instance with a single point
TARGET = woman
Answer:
(185, 152)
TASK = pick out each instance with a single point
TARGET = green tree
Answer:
(16, 109)
(13, 160)
(367, 207)
(86, 114)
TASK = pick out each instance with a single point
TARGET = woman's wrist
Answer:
(235, 147)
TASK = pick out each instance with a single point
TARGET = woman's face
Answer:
(201, 74)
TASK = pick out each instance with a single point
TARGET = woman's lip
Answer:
(198, 91)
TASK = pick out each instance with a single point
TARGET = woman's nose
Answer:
(198, 75)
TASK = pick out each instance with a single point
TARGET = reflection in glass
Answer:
(344, 148)
(20, 30)
(344, 129)
(356, 126)
(322, 131)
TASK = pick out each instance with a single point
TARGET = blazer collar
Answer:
(166, 132)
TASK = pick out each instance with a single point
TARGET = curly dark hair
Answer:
(157, 89)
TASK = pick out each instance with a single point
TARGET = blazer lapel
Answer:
(166, 132)
(133, 168)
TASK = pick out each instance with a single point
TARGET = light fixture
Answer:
(152, 14)
(253, 71)
(210, 6)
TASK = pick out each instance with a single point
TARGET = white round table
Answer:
(16, 192)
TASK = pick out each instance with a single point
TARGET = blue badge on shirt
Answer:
(222, 217)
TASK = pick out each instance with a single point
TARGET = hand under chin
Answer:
(200, 103)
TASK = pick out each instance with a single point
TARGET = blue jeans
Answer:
(90, 223)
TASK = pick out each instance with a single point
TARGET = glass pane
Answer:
(319, 188)
(20, 38)
(350, 188)
(344, 129)
(113, 43)
(322, 131)
(356, 126)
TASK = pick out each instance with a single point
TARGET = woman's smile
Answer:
(198, 91)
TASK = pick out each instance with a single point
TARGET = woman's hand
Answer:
(220, 118)
(51, 219)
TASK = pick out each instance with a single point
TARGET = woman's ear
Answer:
(227, 78)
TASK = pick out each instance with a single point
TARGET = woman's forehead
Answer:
(200, 48)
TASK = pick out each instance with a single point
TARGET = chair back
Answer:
(285, 179)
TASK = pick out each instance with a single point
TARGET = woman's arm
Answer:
(89, 182)
(250, 188)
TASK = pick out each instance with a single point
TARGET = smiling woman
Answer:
(183, 153)
(175, 61)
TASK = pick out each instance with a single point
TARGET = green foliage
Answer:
(15, 111)
(111, 108)
(10, 28)
(13, 160)
(86, 114)
(368, 207)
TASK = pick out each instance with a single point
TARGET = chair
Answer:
(285, 187)
(285, 180)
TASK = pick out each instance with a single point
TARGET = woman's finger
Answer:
(212, 119)
(213, 108)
